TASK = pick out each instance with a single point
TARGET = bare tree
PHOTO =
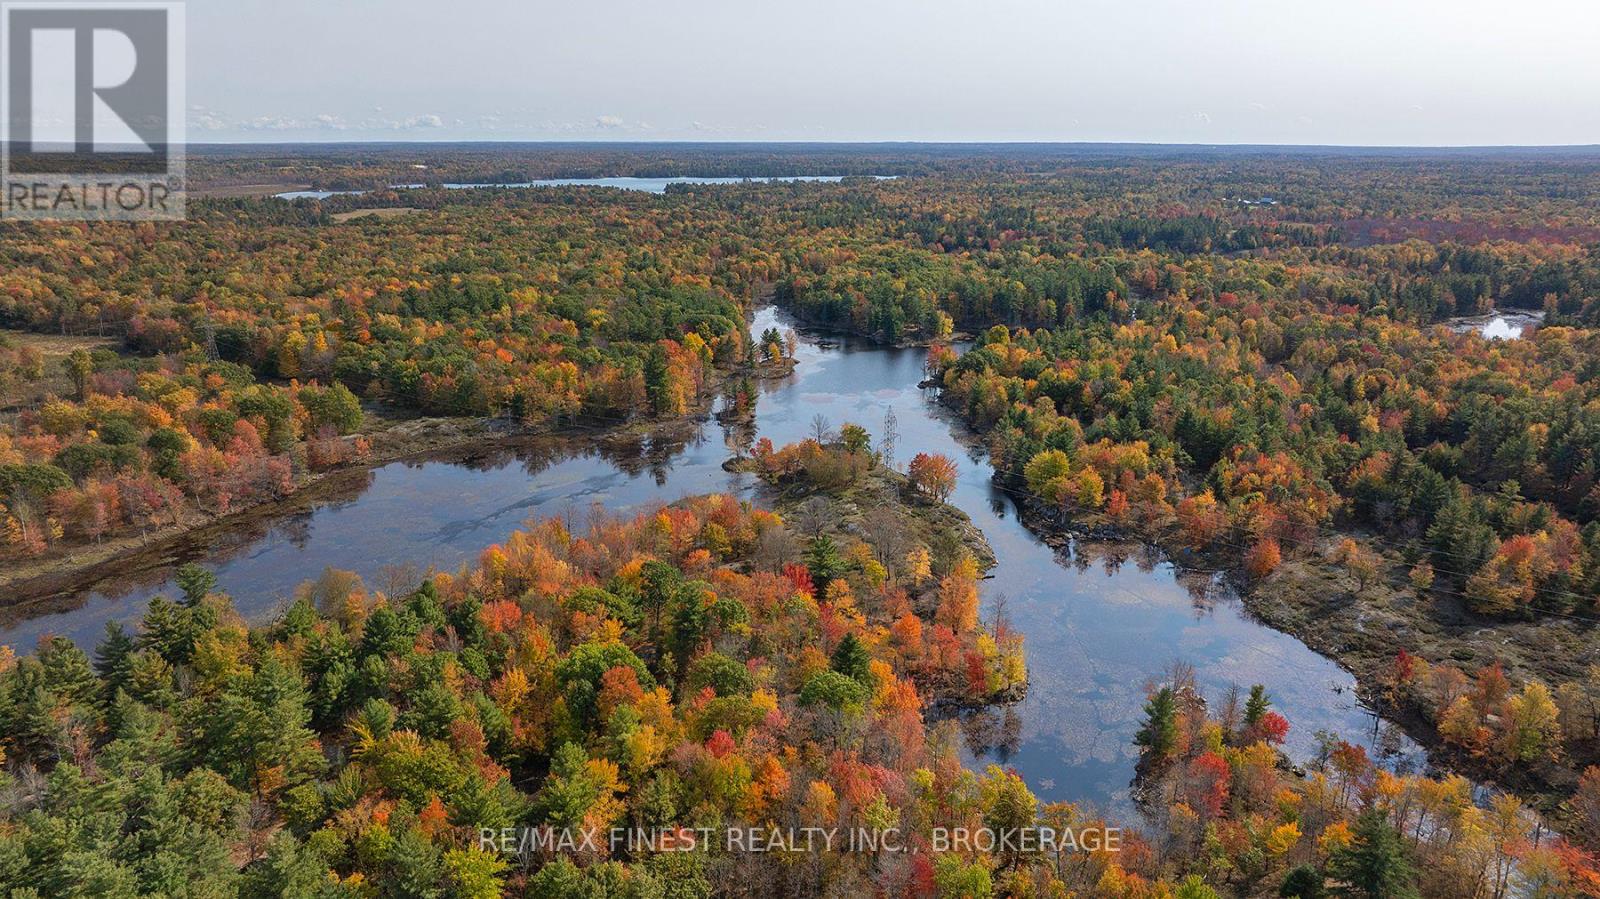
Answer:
(888, 537)
(821, 428)
(1232, 710)
(1181, 677)
(812, 517)
(775, 548)
(331, 593)
(1000, 623)
(399, 579)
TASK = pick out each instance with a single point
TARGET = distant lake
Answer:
(1499, 325)
(648, 185)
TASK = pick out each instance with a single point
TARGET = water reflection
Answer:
(1100, 620)
(1512, 325)
(647, 185)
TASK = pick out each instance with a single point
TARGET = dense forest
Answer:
(694, 668)
(1244, 356)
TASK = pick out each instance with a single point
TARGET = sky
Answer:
(1345, 72)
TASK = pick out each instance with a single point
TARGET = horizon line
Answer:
(473, 141)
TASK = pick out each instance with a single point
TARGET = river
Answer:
(1100, 622)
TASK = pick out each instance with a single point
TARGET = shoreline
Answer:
(43, 577)
(35, 583)
(1273, 610)
(130, 555)
(1323, 633)
(920, 517)
(1320, 632)
(835, 329)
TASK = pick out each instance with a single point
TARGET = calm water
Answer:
(1098, 626)
(648, 185)
(1513, 325)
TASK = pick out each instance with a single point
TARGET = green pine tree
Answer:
(113, 659)
(852, 659)
(1159, 735)
(195, 582)
(1375, 865)
(1304, 882)
(824, 561)
(1257, 705)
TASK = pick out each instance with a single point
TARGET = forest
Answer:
(702, 665)
(1248, 358)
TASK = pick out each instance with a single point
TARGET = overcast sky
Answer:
(1413, 72)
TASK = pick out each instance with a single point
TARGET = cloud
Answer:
(206, 120)
(272, 123)
(375, 122)
(426, 121)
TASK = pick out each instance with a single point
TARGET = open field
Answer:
(385, 213)
(18, 389)
(54, 345)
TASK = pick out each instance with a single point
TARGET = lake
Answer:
(1100, 622)
(1512, 325)
(647, 185)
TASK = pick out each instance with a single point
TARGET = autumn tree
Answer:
(1263, 558)
(932, 475)
(1360, 563)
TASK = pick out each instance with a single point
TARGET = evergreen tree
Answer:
(385, 634)
(1304, 882)
(256, 732)
(195, 582)
(824, 561)
(112, 658)
(1375, 865)
(1195, 887)
(1256, 706)
(288, 871)
(1159, 735)
(689, 622)
(171, 629)
(415, 867)
(658, 380)
(67, 672)
(852, 659)
(661, 583)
